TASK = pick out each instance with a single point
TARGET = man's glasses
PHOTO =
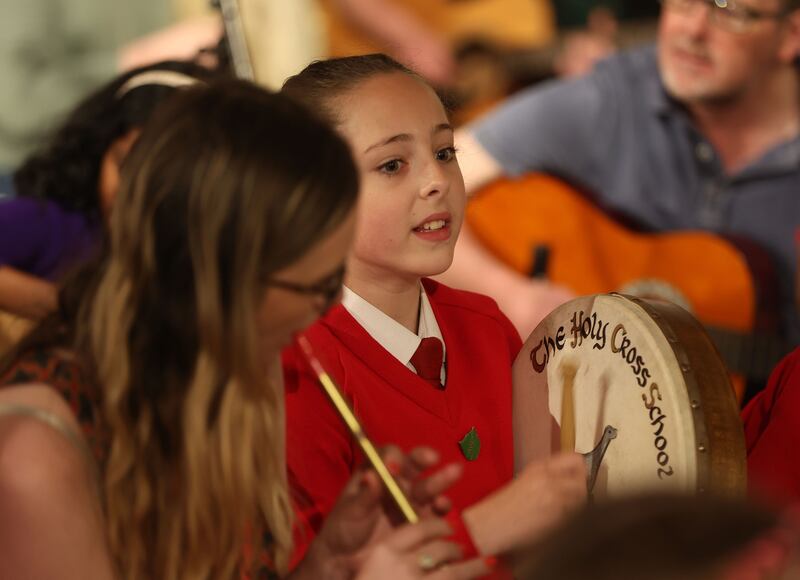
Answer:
(727, 14)
(329, 287)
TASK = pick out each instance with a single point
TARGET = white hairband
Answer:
(167, 78)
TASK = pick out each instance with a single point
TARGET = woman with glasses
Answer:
(141, 428)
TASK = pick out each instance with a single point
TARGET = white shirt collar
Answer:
(390, 334)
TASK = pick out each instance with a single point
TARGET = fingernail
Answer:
(490, 562)
(393, 467)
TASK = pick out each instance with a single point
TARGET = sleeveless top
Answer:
(44, 365)
(48, 366)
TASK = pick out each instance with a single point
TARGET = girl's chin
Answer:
(433, 270)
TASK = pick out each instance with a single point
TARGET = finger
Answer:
(410, 536)
(568, 464)
(442, 505)
(423, 491)
(421, 458)
(475, 568)
(432, 555)
(362, 494)
(393, 459)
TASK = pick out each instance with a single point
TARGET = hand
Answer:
(582, 49)
(534, 502)
(430, 56)
(580, 52)
(413, 551)
(364, 514)
(528, 301)
(181, 41)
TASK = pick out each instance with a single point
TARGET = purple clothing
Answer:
(41, 238)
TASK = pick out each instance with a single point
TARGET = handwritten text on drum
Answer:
(591, 327)
(583, 327)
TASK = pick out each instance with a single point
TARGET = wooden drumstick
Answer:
(355, 428)
(568, 372)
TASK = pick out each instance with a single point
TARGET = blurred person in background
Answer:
(67, 188)
(426, 34)
(52, 53)
(700, 132)
(668, 537)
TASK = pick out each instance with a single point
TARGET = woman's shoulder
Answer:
(36, 422)
(65, 379)
(47, 482)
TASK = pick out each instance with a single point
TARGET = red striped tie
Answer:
(428, 360)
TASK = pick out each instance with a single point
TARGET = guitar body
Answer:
(591, 253)
(505, 24)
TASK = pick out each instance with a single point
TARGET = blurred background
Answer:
(53, 53)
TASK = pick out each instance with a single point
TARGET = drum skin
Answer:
(644, 367)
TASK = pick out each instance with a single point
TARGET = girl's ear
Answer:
(108, 182)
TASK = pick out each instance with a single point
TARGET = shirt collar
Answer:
(390, 334)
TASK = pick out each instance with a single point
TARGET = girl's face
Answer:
(412, 193)
(297, 295)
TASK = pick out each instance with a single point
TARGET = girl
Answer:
(153, 446)
(419, 361)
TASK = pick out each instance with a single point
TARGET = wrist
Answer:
(485, 523)
(315, 564)
(462, 536)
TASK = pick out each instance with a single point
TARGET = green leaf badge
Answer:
(471, 445)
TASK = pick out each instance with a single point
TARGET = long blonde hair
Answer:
(226, 185)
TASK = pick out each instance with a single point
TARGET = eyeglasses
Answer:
(329, 287)
(727, 14)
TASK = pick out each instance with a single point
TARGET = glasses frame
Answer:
(748, 16)
(329, 287)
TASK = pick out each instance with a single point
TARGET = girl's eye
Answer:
(446, 154)
(391, 167)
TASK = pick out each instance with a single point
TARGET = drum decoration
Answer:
(638, 387)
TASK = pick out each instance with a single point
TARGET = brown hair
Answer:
(322, 81)
(226, 185)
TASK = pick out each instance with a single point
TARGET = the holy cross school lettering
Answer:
(592, 328)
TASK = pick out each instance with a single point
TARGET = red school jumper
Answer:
(395, 406)
(772, 434)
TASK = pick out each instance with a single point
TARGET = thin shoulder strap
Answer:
(57, 423)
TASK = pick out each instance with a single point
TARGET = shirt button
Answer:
(704, 152)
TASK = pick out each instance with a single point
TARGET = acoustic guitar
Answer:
(727, 284)
(505, 24)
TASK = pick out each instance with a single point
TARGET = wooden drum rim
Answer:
(719, 438)
(637, 386)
